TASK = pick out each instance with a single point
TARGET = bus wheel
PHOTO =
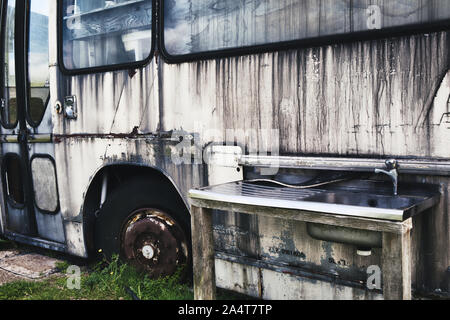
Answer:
(145, 227)
(153, 242)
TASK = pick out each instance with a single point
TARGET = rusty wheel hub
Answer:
(153, 242)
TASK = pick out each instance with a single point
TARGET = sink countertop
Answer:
(360, 198)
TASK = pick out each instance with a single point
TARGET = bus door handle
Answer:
(70, 107)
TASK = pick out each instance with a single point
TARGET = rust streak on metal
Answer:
(57, 138)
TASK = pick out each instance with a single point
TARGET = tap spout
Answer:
(392, 165)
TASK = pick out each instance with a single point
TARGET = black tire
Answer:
(163, 220)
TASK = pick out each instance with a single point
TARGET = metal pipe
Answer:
(408, 166)
(364, 240)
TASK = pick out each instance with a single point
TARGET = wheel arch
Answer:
(120, 173)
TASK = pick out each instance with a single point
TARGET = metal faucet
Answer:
(392, 167)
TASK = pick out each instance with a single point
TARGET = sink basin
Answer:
(375, 199)
(406, 206)
(366, 200)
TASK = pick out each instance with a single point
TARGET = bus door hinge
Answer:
(23, 135)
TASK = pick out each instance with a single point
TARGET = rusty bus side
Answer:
(351, 100)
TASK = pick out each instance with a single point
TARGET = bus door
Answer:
(27, 168)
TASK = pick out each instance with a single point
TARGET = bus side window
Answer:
(193, 27)
(104, 33)
(38, 60)
(8, 94)
(13, 179)
(44, 184)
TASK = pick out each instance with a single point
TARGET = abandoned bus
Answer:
(112, 111)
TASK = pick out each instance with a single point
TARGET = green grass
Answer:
(106, 281)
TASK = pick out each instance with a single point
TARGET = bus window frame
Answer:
(392, 32)
(106, 68)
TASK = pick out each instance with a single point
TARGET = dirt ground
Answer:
(24, 263)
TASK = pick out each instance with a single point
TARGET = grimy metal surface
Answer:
(377, 98)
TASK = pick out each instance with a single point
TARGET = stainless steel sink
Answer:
(367, 195)
(361, 198)
(364, 240)
(366, 200)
